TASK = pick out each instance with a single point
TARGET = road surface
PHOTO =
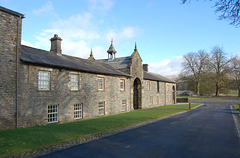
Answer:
(208, 131)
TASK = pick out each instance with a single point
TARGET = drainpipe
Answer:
(17, 56)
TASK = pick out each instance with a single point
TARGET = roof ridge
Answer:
(160, 77)
(11, 12)
(34, 48)
(50, 52)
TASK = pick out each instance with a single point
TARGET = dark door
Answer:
(173, 94)
(135, 95)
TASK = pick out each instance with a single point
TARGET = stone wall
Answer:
(169, 93)
(153, 98)
(8, 52)
(136, 72)
(34, 102)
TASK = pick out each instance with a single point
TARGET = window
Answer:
(43, 80)
(148, 85)
(101, 108)
(158, 87)
(123, 105)
(151, 100)
(52, 113)
(78, 111)
(122, 84)
(74, 82)
(100, 83)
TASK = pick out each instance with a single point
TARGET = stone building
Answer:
(39, 87)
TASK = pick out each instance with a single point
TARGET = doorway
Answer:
(173, 95)
(137, 94)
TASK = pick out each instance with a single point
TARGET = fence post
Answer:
(189, 106)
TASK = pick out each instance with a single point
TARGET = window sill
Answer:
(44, 90)
(53, 122)
(74, 90)
(78, 118)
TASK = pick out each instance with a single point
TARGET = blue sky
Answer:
(164, 30)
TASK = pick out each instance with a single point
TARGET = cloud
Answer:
(26, 43)
(45, 8)
(167, 67)
(79, 33)
(123, 34)
(100, 5)
(83, 32)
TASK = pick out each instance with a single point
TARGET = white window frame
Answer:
(101, 108)
(122, 84)
(124, 105)
(44, 80)
(74, 82)
(53, 113)
(101, 83)
(78, 111)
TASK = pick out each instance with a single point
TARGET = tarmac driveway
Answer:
(208, 131)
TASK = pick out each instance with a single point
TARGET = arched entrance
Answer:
(173, 95)
(137, 94)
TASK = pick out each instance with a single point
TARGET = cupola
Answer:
(111, 52)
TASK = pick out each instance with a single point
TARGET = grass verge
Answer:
(16, 141)
(237, 108)
(202, 98)
(177, 106)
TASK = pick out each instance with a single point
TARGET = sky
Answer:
(163, 30)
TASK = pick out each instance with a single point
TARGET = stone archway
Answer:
(173, 95)
(137, 94)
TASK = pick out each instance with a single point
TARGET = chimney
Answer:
(56, 45)
(145, 67)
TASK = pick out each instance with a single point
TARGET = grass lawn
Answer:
(237, 108)
(27, 139)
(177, 106)
(201, 98)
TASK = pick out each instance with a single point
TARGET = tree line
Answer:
(210, 73)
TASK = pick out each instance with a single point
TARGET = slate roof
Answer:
(11, 12)
(155, 77)
(118, 63)
(46, 58)
(124, 62)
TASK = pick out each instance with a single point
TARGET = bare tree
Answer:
(229, 10)
(219, 65)
(194, 65)
(235, 71)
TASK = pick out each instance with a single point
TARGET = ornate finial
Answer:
(111, 40)
(91, 56)
(91, 53)
(135, 47)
